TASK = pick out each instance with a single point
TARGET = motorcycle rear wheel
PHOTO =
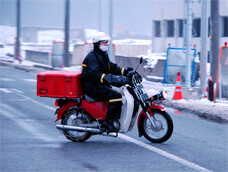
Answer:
(72, 118)
(163, 129)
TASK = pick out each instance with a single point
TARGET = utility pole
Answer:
(110, 49)
(204, 36)
(189, 43)
(99, 13)
(214, 38)
(17, 46)
(67, 16)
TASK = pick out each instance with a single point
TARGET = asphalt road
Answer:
(30, 142)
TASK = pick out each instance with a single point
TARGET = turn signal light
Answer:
(57, 102)
(152, 98)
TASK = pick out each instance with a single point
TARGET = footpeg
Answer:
(110, 134)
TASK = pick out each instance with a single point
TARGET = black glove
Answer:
(130, 74)
(117, 81)
(129, 69)
(125, 80)
(126, 70)
(137, 76)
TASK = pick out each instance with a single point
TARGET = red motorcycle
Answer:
(81, 116)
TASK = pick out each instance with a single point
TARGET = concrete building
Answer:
(168, 18)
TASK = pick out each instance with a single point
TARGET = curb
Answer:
(27, 68)
(220, 117)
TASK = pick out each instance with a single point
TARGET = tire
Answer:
(164, 128)
(71, 118)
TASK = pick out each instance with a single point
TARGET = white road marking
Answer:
(37, 102)
(10, 79)
(34, 131)
(16, 100)
(5, 90)
(164, 153)
(6, 114)
(26, 124)
(18, 91)
(30, 80)
(7, 79)
(11, 90)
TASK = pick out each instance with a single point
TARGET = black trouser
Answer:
(114, 106)
(104, 93)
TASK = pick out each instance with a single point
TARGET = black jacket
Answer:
(98, 71)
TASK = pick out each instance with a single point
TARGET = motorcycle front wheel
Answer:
(74, 118)
(163, 129)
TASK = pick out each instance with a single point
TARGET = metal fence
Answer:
(176, 62)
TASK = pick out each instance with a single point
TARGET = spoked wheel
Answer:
(74, 118)
(163, 129)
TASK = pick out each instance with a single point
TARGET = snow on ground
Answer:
(204, 108)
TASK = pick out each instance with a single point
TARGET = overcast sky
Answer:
(133, 15)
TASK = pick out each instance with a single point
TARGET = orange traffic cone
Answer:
(178, 90)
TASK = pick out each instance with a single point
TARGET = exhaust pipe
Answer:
(74, 128)
(83, 129)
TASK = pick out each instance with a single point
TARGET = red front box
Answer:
(59, 84)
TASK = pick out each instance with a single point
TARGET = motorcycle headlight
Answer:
(164, 94)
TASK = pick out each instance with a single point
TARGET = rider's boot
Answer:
(108, 125)
(113, 114)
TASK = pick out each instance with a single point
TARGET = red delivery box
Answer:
(59, 84)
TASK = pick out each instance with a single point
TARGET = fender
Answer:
(62, 109)
(159, 107)
(97, 109)
(142, 114)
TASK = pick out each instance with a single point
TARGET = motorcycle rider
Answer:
(98, 74)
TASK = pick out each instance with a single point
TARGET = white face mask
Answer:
(104, 48)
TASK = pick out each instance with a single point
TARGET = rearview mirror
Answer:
(141, 60)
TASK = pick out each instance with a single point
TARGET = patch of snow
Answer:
(47, 37)
(75, 68)
(154, 77)
(132, 42)
(8, 34)
(203, 107)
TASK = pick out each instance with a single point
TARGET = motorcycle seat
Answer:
(90, 99)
